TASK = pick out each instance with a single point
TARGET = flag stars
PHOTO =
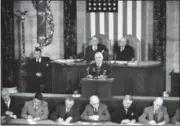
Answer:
(102, 5)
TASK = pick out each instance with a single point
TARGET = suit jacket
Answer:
(102, 112)
(34, 67)
(149, 112)
(12, 107)
(41, 112)
(95, 71)
(61, 112)
(126, 55)
(89, 54)
(120, 114)
(176, 117)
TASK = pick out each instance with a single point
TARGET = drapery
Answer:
(7, 44)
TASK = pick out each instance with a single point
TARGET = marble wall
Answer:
(55, 50)
(173, 41)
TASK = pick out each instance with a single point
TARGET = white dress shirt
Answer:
(38, 60)
(94, 48)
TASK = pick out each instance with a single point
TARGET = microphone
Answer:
(115, 57)
(87, 70)
(104, 73)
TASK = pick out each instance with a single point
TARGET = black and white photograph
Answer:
(90, 62)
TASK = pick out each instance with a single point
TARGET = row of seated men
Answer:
(95, 111)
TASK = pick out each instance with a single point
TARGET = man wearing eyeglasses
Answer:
(95, 111)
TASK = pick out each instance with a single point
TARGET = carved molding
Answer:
(45, 25)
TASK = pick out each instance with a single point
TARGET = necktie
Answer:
(94, 48)
(67, 110)
(121, 49)
(95, 111)
(35, 107)
(155, 115)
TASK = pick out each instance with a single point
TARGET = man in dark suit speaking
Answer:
(99, 69)
(37, 71)
(123, 51)
(95, 46)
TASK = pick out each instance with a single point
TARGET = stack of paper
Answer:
(65, 123)
(31, 121)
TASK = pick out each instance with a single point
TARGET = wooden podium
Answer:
(99, 87)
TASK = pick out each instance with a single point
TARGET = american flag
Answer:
(131, 18)
(117, 24)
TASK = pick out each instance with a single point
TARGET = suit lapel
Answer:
(151, 113)
(63, 111)
(32, 107)
(160, 113)
(11, 105)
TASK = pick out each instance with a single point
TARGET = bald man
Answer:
(95, 46)
(125, 113)
(99, 69)
(8, 107)
(123, 51)
(156, 114)
(95, 111)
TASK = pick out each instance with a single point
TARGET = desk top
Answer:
(47, 122)
(100, 80)
(50, 95)
(69, 62)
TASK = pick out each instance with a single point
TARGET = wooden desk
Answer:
(50, 122)
(141, 79)
(100, 87)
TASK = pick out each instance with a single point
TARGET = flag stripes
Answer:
(128, 20)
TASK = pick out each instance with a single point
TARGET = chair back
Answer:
(136, 44)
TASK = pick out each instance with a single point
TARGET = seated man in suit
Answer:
(125, 113)
(37, 71)
(98, 69)
(156, 114)
(35, 109)
(176, 118)
(8, 106)
(94, 47)
(123, 51)
(67, 112)
(95, 111)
